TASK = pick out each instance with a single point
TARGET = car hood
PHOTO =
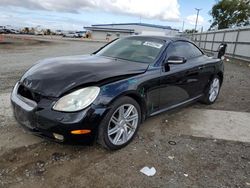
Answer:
(55, 76)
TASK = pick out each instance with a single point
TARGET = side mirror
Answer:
(176, 60)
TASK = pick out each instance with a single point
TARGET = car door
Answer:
(180, 82)
(200, 62)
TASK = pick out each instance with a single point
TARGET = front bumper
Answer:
(41, 120)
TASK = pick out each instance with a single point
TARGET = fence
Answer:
(238, 41)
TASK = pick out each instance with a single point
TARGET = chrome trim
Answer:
(175, 61)
(21, 101)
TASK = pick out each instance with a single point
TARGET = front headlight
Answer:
(77, 100)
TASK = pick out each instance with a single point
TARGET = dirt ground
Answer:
(180, 160)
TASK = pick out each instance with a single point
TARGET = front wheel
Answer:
(120, 124)
(213, 91)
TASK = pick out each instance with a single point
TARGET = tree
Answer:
(230, 13)
(32, 30)
(191, 31)
(47, 32)
(26, 30)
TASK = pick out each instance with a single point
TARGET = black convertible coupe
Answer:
(105, 96)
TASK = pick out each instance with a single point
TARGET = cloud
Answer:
(166, 10)
(192, 19)
(18, 20)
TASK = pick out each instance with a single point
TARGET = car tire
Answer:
(212, 92)
(120, 124)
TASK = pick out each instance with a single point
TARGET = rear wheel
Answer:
(213, 91)
(120, 125)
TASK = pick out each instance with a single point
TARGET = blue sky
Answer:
(87, 12)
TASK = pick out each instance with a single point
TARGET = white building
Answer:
(111, 31)
(102, 33)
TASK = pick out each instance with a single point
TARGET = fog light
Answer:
(58, 136)
(83, 131)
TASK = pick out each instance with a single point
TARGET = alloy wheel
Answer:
(214, 89)
(123, 124)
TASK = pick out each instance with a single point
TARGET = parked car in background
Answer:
(8, 30)
(105, 96)
(59, 32)
(5, 31)
(70, 34)
(14, 31)
(80, 34)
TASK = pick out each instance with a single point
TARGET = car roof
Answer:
(165, 38)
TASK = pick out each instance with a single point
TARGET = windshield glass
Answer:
(139, 49)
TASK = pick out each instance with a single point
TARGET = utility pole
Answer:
(183, 24)
(198, 11)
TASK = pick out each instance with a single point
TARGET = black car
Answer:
(106, 95)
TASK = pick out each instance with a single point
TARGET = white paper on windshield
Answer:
(152, 44)
(136, 42)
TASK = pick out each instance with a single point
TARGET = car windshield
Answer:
(139, 49)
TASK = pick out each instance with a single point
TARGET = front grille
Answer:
(25, 92)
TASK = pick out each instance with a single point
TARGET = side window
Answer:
(173, 51)
(183, 49)
(195, 51)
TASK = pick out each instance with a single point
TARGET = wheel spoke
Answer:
(213, 96)
(211, 90)
(118, 136)
(130, 126)
(215, 92)
(121, 112)
(114, 120)
(125, 136)
(113, 130)
(131, 118)
(216, 83)
(214, 89)
(128, 111)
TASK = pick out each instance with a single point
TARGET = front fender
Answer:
(112, 91)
